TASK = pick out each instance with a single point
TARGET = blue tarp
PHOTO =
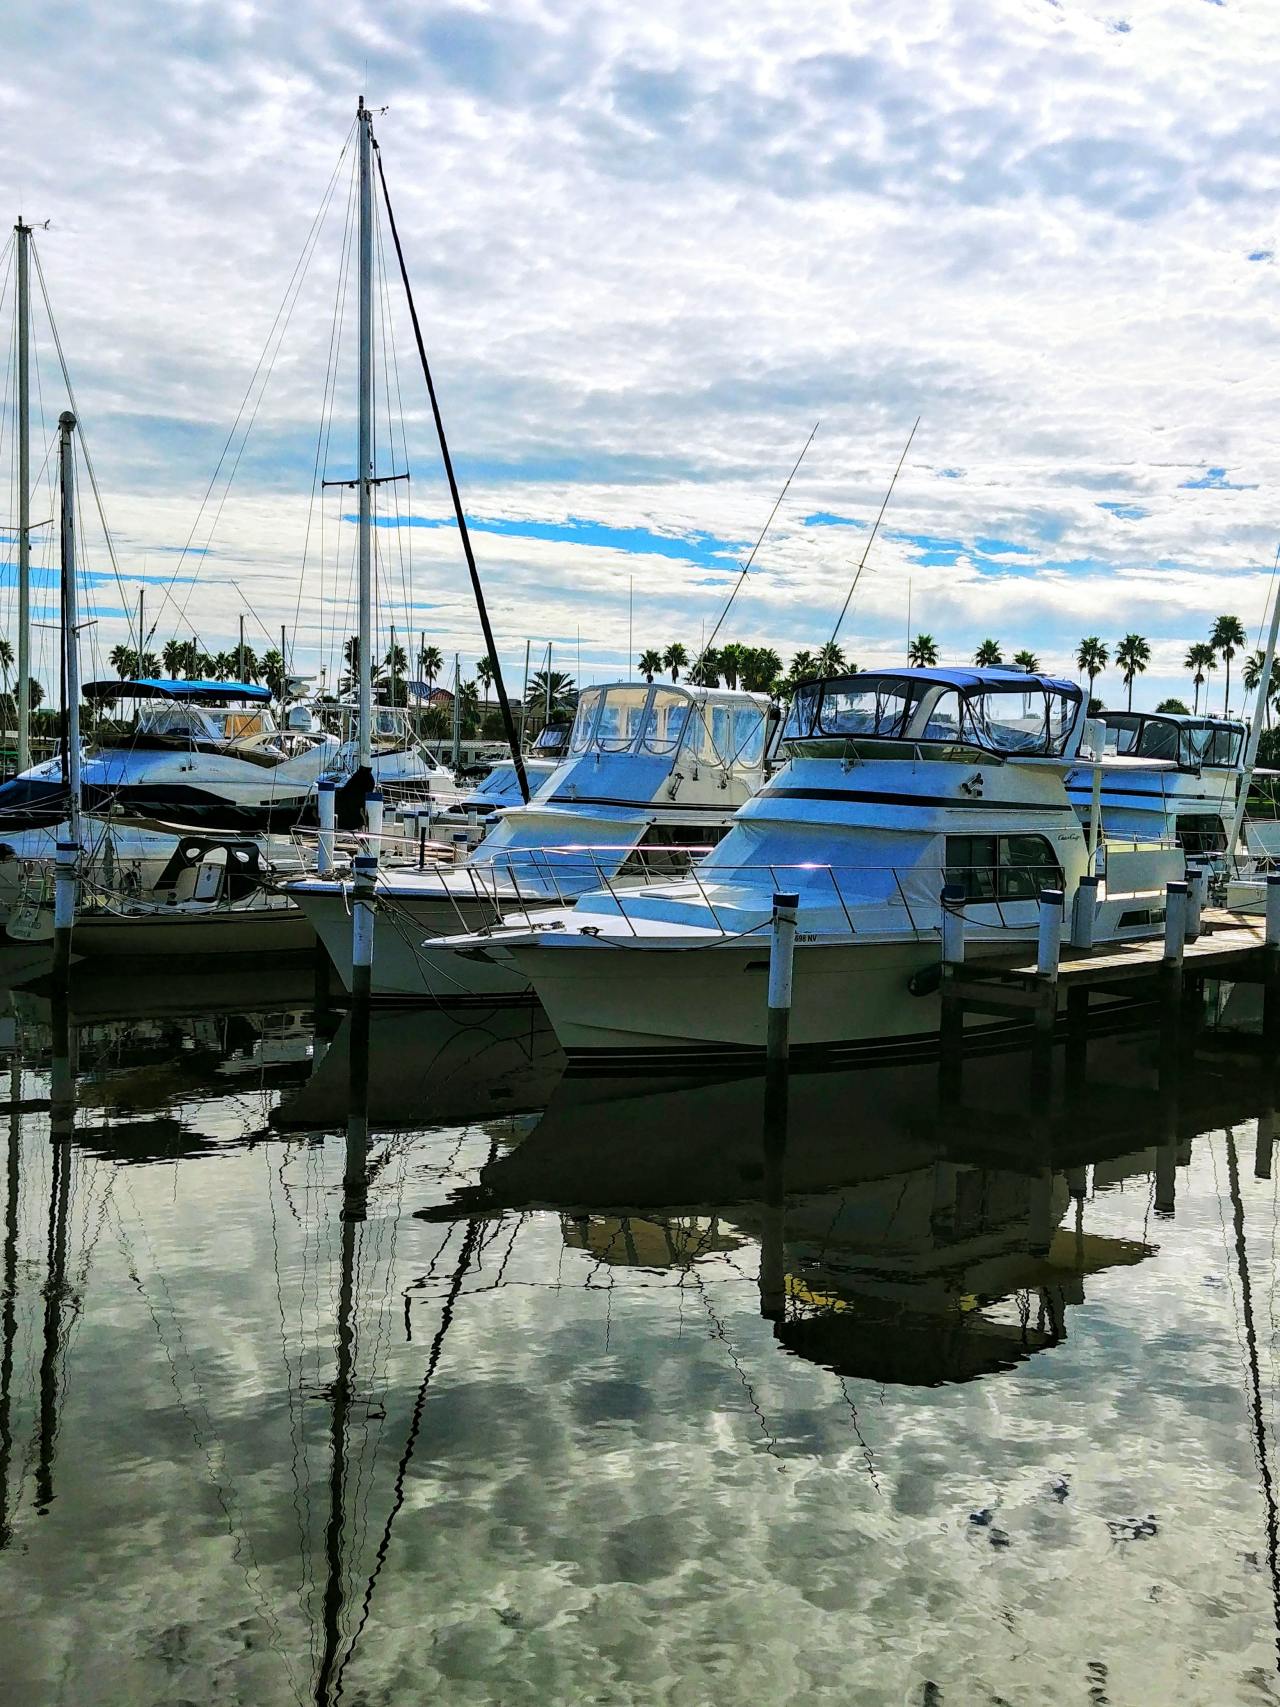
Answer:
(204, 693)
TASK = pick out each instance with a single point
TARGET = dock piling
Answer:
(66, 855)
(1084, 911)
(1271, 963)
(364, 869)
(782, 948)
(373, 810)
(951, 1020)
(326, 803)
(1049, 944)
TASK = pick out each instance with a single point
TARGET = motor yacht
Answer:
(653, 778)
(897, 784)
(200, 752)
(1163, 775)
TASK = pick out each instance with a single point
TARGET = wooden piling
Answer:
(1271, 964)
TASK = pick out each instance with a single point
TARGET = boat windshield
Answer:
(1035, 720)
(1191, 744)
(175, 721)
(664, 721)
(621, 712)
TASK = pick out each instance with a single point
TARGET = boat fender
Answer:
(927, 981)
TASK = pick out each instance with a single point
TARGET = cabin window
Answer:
(664, 721)
(748, 734)
(869, 708)
(621, 713)
(583, 723)
(1002, 868)
(1224, 749)
(1158, 740)
(1201, 833)
(1016, 720)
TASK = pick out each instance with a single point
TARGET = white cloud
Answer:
(650, 248)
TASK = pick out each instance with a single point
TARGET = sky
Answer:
(651, 247)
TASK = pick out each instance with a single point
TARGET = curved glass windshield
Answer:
(584, 722)
(1035, 720)
(1135, 734)
(620, 716)
(665, 720)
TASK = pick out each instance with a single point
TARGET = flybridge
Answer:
(1002, 712)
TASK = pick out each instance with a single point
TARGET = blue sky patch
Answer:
(577, 530)
(1215, 480)
(1001, 547)
(1262, 254)
(827, 519)
(1126, 512)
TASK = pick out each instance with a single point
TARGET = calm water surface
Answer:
(548, 1390)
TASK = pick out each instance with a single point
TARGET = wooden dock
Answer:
(1171, 971)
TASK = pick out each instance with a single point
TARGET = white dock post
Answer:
(461, 845)
(951, 1014)
(326, 800)
(782, 945)
(953, 899)
(373, 820)
(364, 870)
(1049, 945)
(1175, 921)
(65, 858)
(1197, 893)
(1273, 910)
(1271, 963)
(1084, 912)
(473, 826)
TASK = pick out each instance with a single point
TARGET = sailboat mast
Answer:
(1245, 780)
(23, 233)
(364, 451)
(70, 632)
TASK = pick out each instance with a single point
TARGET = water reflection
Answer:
(381, 1361)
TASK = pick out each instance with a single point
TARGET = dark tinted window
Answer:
(1005, 868)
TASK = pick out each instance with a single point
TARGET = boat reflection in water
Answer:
(442, 1366)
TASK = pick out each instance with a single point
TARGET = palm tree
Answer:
(484, 675)
(674, 659)
(731, 657)
(1200, 658)
(172, 655)
(988, 654)
(1027, 661)
(1251, 675)
(124, 661)
(1133, 654)
(6, 662)
(430, 662)
(804, 668)
(923, 652)
(351, 653)
(1178, 707)
(706, 669)
(650, 663)
(273, 673)
(563, 692)
(1228, 634)
(1091, 658)
(831, 660)
(760, 668)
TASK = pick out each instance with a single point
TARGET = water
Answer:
(576, 1392)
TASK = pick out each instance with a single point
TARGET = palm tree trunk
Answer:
(1226, 698)
(1195, 704)
(1129, 707)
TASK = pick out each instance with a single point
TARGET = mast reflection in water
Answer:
(381, 1362)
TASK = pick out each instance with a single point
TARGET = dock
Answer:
(1196, 946)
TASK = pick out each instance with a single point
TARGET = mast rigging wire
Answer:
(707, 645)
(504, 704)
(853, 586)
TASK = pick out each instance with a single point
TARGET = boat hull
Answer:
(402, 969)
(171, 932)
(627, 1008)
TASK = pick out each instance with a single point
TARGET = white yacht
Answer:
(654, 776)
(1165, 776)
(898, 783)
(200, 753)
(403, 769)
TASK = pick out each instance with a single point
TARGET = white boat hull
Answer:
(402, 969)
(696, 1004)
